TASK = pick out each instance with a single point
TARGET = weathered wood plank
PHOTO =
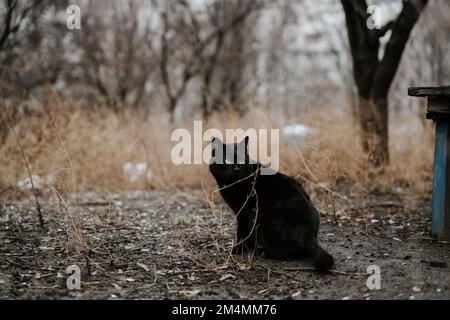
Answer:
(438, 116)
(438, 105)
(447, 188)
(438, 109)
(429, 91)
(440, 226)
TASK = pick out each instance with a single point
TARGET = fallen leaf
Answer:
(189, 293)
(227, 276)
(127, 279)
(143, 266)
(263, 291)
(245, 267)
(43, 248)
(192, 277)
(296, 294)
(225, 266)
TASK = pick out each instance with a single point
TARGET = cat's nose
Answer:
(236, 168)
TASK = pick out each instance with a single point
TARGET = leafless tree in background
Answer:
(192, 46)
(24, 29)
(208, 56)
(277, 66)
(31, 50)
(13, 16)
(373, 77)
(114, 53)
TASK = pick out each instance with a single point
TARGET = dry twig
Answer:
(24, 157)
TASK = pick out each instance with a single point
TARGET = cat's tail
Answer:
(322, 260)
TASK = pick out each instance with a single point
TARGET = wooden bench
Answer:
(438, 110)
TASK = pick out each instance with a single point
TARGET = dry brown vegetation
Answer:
(80, 104)
(84, 150)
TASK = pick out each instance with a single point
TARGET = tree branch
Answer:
(382, 32)
(11, 6)
(363, 45)
(11, 27)
(401, 30)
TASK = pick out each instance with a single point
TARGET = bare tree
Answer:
(189, 50)
(374, 76)
(22, 29)
(116, 59)
(12, 19)
(234, 77)
(30, 52)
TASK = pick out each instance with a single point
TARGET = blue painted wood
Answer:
(440, 184)
(438, 110)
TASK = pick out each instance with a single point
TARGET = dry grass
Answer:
(85, 150)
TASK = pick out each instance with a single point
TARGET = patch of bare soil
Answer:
(166, 246)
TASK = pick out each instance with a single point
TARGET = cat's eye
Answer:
(227, 161)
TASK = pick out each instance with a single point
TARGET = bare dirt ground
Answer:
(176, 245)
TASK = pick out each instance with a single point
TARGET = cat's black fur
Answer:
(274, 213)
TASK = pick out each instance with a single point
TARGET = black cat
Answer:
(274, 213)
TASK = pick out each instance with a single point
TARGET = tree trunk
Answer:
(373, 119)
(207, 108)
(373, 76)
